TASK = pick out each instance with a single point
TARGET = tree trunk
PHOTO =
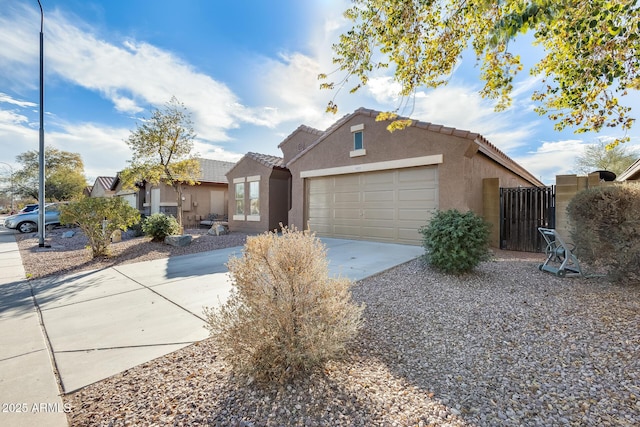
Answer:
(178, 188)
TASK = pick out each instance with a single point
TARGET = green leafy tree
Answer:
(597, 157)
(591, 50)
(98, 218)
(64, 175)
(161, 149)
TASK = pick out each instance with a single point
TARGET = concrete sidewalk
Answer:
(99, 323)
(29, 392)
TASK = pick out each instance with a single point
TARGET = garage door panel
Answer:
(386, 205)
(378, 178)
(383, 214)
(319, 213)
(346, 214)
(409, 235)
(414, 214)
(320, 228)
(349, 197)
(378, 196)
(347, 230)
(378, 232)
(418, 175)
(420, 195)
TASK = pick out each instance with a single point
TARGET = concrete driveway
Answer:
(99, 323)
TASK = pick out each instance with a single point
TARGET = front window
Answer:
(240, 198)
(254, 198)
(357, 141)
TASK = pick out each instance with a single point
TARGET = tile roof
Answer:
(264, 159)
(486, 147)
(301, 128)
(267, 159)
(214, 170)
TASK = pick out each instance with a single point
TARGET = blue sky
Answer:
(246, 70)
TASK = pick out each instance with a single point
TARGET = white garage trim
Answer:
(377, 166)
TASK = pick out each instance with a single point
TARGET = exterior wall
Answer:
(279, 198)
(460, 174)
(482, 168)
(296, 143)
(491, 208)
(100, 191)
(245, 169)
(567, 186)
(196, 205)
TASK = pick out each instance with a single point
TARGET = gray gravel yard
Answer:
(505, 346)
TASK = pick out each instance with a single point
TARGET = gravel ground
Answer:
(505, 346)
(71, 255)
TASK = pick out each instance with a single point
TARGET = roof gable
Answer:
(104, 182)
(266, 160)
(485, 147)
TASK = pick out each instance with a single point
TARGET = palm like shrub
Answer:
(285, 315)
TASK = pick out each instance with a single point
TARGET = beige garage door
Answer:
(388, 206)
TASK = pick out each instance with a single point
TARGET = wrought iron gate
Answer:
(522, 211)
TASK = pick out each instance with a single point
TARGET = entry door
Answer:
(217, 202)
(155, 200)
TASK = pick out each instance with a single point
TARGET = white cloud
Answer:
(102, 148)
(20, 103)
(552, 158)
(460, 107)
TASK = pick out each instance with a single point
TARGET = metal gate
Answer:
(522, 211)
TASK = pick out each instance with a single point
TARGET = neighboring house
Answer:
(632, 173)
(135, 196)
(259, 194)
(102, 187)
(357, 180)
(208, 198)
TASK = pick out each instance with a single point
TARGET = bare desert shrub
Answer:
(285, 315)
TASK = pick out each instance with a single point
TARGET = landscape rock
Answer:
(68, 234)
(180, 241)
(218, 229)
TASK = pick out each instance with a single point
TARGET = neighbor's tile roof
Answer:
(105, 181)
(214, 170)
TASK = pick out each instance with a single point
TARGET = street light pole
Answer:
(41, 195)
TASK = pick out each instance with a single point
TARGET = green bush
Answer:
(158, 226)
(605, 227)
(136, 229)
(285, 315)
(456, 242)
(90, 214)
